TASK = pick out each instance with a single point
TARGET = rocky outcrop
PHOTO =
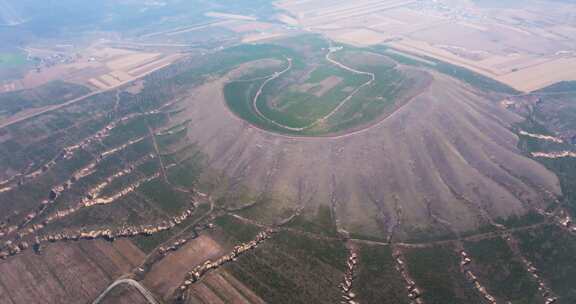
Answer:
(12, 248)
(414, 293)
(465, 261)
(348, 296)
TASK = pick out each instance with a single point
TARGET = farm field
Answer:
(504, 275)
(435, 270)
(74, 272)
(378, 281)
(291, 264)
(548, 249)
(100, 68)
(525, 56)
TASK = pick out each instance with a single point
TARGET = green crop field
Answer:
(297, 106)
(318, 89)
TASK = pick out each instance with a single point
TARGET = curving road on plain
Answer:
(15, 119)
(143, 291)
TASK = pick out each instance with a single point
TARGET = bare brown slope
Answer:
(446, 158)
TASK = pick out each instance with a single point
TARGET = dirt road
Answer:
(14, 120)
(331, 113)
(145, 292)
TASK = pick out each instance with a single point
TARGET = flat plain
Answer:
(527, 55)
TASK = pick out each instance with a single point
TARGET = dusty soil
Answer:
(169, 273)
(203, 294)
(360, 37)
(221, 287)
(124, 294)
(64, 272)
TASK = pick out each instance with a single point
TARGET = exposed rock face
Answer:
(447, 156)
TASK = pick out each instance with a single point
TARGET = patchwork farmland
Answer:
(524, 56)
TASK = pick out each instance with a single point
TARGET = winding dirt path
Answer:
(48, 109)
(143, 291)
(257, 96)
(331, 113)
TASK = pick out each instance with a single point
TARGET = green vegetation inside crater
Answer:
(316, 96)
